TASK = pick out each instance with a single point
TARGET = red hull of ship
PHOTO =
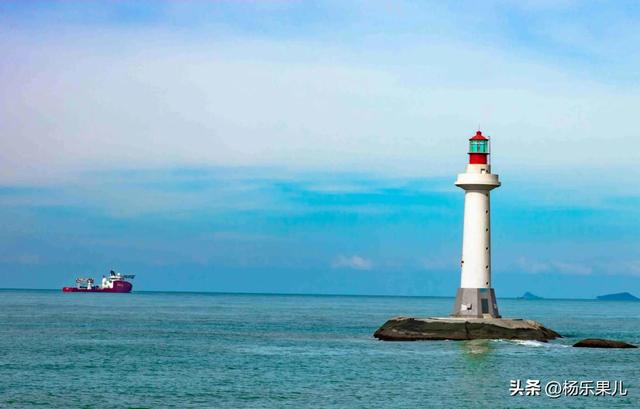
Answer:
(118, 287)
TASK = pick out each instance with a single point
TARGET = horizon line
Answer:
(314, 294)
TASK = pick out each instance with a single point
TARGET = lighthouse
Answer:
(475, 312)
(476, 297)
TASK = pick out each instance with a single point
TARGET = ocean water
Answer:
(184, 350)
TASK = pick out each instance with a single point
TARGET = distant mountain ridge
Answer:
(618, 297)
(530, 296)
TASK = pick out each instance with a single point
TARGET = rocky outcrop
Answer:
(602, 343)
(460, 329)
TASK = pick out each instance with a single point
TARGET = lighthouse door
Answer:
(484, 303)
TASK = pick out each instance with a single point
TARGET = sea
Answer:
(208, 350)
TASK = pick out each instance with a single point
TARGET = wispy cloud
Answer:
(622, 267)
(354, 262)
(20, 259)
(441, 263)
(553, 266)
(586, 267)
(300, 96)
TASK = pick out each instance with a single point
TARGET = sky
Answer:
(311, 147)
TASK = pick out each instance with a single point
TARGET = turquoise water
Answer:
(187, 350)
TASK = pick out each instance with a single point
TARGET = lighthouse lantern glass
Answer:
(478, 146)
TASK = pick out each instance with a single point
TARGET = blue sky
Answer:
(284, 146)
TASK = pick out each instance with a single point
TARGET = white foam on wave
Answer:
(531, 343)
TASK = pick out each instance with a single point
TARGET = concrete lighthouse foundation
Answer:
(475, 303)
(475, 312)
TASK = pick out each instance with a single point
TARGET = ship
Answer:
(113, 283)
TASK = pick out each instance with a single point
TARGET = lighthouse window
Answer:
(478, 147)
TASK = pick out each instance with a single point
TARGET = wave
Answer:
(534, 344)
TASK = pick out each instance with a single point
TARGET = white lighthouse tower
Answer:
(475, 297)
(475, 312)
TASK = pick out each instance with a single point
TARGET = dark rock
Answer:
(460, 329)
(618, 297)
(530, 296)
(602, 343)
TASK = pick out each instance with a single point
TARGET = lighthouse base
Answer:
(475, 303)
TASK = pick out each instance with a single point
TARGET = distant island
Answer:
(530, 296)
(618, 297)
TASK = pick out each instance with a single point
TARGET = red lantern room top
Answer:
(478, 149)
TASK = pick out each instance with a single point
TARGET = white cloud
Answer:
(354, 262)
(622, 267)
(404, 105)
(572, 268)
(554, 266)
(234, 236)
(610, 266)
(442, 263)
(20, 259)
